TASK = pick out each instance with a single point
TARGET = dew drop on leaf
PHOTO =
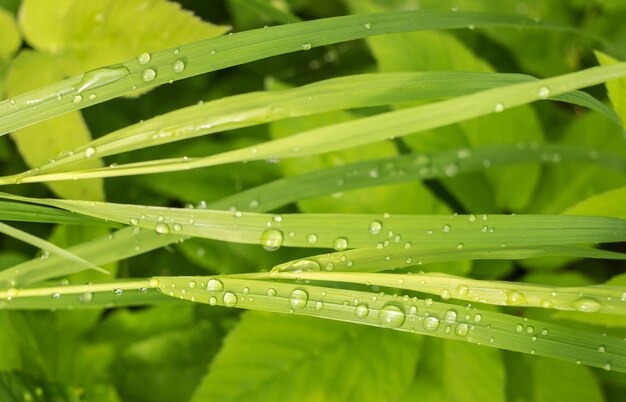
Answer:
(271, 292)
(143, 58)
(375, 227)
(430, 323)
(90, 152)
(148, 75)
(162, 228)
(213, 285)
(298, 299)
(587, 305)
(230, 299)
(271, 239)
(178, 66)
(340, 243)
(304, 266)
(362, 311)
(391, 316)
(543, 92)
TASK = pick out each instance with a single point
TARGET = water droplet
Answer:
(12, 101)
(214, 285)
(271, 292)
(391, 316)
(498, 108)
(177, 227)
(298, 299)
(192, 284)
(319, 305)
(445, 228)
(56, 295)
(461, 329)
(143, 58)
(306, 46)
(148, 75)
(514, 298)
(212, 301)
(90, 152)
(519, 328)
(271, 239)
(340, 243)
(162, 228)
(375, 227)
(445, 294)
(478, 318)
(311, 238)
(530, 329)
(462, 290)
(430, 323)
(587, 305)
(543, 92)
(178, 66)
(428, 302)
(230, 299)
(459, 246)
(361, 311)
(367, 25)
(77, 99)
(450, 316)
(102, 76)
(304, 266)
(117, 292)
(601, 348)
(607, 366)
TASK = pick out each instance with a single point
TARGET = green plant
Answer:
(363, 148)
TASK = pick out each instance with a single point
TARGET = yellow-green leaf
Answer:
(616, 88)
(10, 39)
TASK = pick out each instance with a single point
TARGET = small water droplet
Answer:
(361, 311)
(601, 348)
(607, 366)
(514, 298)
(77, 99)
(445, 228)
(375, 227)
(161, 228)
(90, 152)
(56, 295)
(177, 227)
(319, 305)
(192, 284)
(306, 46)
(117, 292)
(212, 300)
(311, 238)
(543, 92)
(271, 292)
(461, 329)
(230, 299)
(499, 107)
(148, 75)
(298, 299)
(391, 316)
(462, 290)
(430, 323)
(367, 25)
(340, 243)
(459, 246)
(519, 328)
(304, 266)
(271, 239)
(445, 294)
(213, 285)
(178, 66)
(85, 297)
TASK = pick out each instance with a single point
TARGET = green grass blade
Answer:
(217, 53)
(368, 129)
(405, 314)
(393, 255)
(49, 247)
(587, 299)
(342, 231)
(405, 168)
(17, 211)
(261, 107)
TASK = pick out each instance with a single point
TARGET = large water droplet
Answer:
(430, 323)
(461, 329)
(391, 316)
(361, 311)
(450, 316)
(162, 228)
(375, 227)
(230, 299)
(178, 66)
(148, 75)
(340, 243)
(214, 285)
(102, 76)
(514, 298)
(271, 239)
(587, 305)
(298, 299)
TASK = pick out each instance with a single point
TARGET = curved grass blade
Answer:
(405, 313)
(49, 247)
(587, 299)
(342, 231)
(393, 255)
(217, 53)
(261, 107)
(366, 130)
(17, 211)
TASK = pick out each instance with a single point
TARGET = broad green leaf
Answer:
(10, 39)
(179, 357)
(556, 380)
(610, 203)
(472, 373)
(40, 143)
(87, 35)
(616, 88)
(279, 357)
